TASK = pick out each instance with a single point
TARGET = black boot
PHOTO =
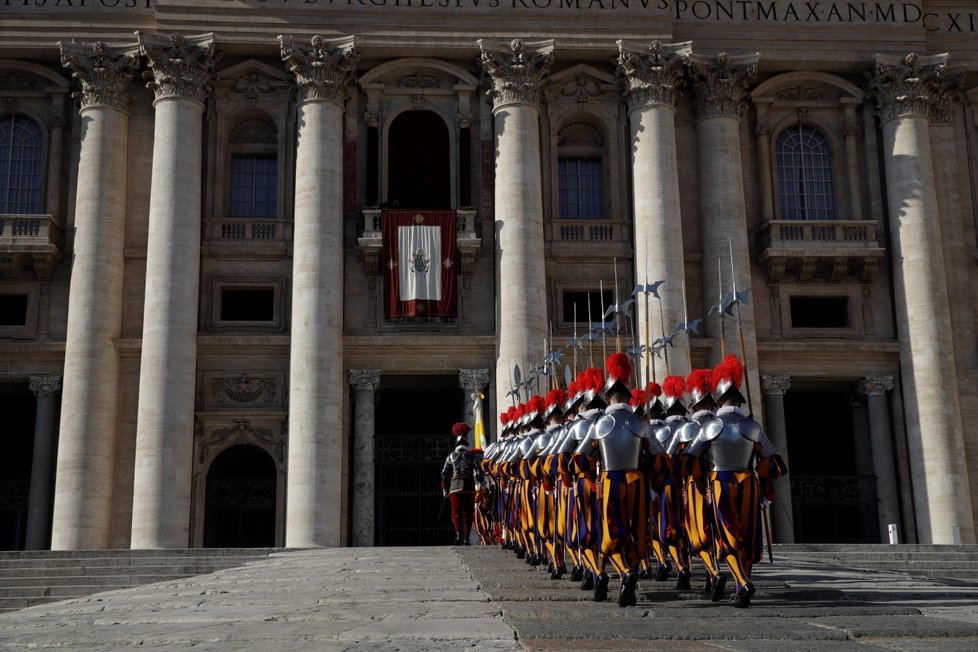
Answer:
(682, 583)
(742, 599)
(587, 582)
(557, 573)
(626, 595)
(520, 553)
(661, 573)
(719, 582)
(601, 588)
(577, 574)
(458, 539)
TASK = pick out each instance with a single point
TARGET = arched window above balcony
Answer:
(21, 159)
(804, 168)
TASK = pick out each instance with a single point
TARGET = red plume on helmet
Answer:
(638, 397)
(460, 429)
(699, 383)
(619, 367)
(573, 388)
(674, 386)
(556, 397)
(536, 404)
(654, 390)
(504, 418)
(512, 413)
(591, 379)
(730, 370)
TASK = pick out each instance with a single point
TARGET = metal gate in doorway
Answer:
(408, 490)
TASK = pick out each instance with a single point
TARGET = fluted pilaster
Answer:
(906, 89)
(774, 388)
(517, 72)
(364, 383)
(179, 71)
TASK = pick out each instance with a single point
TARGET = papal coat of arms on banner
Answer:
(420, 264)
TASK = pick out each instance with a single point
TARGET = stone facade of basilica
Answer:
(196, 347)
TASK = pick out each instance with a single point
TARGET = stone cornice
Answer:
(179, 65)
(653, 77)
(914, 85)
(517, 74)
(104, 72)
(721, 82)
(364, 378)
(775, 385)
(323, 71)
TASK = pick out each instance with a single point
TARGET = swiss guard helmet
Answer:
(699, 386)
(727, 377)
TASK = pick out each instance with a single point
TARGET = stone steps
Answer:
(33, 577)
(937, 561)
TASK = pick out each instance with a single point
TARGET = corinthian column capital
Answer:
(653, 76)
(875, 385)
(721, 82)
(179, 65)
(473, 379)
(324, 70)
(364, 378)
(516, 72)
(104, 72)
(914, 85)
(775, 385)
(45, 385)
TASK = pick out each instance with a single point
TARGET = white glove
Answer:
(765, 503)
(444, 493)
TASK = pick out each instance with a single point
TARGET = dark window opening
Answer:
(253, 185)
(820, 312)
(577, 303)
(253, 304)
(240, 502)
(18, 408)
(13, 309)
(21, 155)
(419, 162)
(579, 180)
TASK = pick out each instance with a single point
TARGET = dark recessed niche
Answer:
(580, 300)
(820, 312)
(248, 304)
(13, 309)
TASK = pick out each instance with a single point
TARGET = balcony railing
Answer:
(467, 238)
(29, 242)
(249, 229)
(806, 233)
(586, 231)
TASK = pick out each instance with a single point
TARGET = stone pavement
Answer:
(485, 599)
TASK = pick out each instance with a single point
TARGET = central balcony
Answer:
(29, 242)
(825, 250)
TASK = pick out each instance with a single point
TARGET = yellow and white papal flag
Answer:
(480, 428)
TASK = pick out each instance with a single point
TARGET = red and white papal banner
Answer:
(419, 255)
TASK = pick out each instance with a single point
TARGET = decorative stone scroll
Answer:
(655, 76)
(914, 85)
(244, 389)
(721, 82)
(323, 71)
(775, 385)
(473, 379)
(364, 378)
(241, 432)
(103, 72)
(876, 385)
(517, 74)
(180, 65)
(45, 385)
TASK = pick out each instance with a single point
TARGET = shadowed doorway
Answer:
(419, 162)
(413, 437)
(240, 500)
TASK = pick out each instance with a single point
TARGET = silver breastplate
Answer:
(730, 450)
(621, 437)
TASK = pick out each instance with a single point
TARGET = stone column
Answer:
(474, 382)
(782, 522)
(721, 93)
(852, 134)
(875, 388)
(316, 472)
(46, 390)
(905, 89)
(364, 382)
(653, 79)
(87, 439)
(178, 68)
(517, 71)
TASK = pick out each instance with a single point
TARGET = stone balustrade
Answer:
(236, 228)
(856, 234)
(586, 231)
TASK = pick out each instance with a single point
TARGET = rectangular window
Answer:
(253, 185)
(248, 304)
(579, 182)
(576, 302)
(820, 312)
(13, 309)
